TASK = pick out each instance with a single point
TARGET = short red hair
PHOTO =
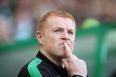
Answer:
(58, 13)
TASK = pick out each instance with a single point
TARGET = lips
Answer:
(61, 43)
(62, 46)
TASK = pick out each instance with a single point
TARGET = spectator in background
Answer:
(24, 20)
(7, 27)
(6, 33)
(41, 7)
(56, 35)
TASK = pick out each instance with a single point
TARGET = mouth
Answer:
(61, 44)
(67, 43)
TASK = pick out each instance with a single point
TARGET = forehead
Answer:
(56, 21)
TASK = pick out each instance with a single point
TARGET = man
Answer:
(56, 36)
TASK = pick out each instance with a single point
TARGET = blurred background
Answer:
(95, 38)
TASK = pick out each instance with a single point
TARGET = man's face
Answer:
(57, 31)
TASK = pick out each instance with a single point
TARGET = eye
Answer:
(57, 30)
(70, 32)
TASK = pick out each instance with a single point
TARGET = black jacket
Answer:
(41, 66)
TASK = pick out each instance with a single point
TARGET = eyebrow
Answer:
(62, 28)
(58, 27)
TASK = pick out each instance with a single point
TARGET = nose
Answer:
(65, 36)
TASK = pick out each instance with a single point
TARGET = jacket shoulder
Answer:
(30, 69)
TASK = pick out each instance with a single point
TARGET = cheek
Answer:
(51, 40)
(72, 41)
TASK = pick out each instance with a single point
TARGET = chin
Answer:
(63, 56)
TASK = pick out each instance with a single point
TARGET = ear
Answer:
(39, 37)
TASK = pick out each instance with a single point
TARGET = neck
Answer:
(53, 59)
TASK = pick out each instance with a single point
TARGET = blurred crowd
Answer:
(18, 18)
